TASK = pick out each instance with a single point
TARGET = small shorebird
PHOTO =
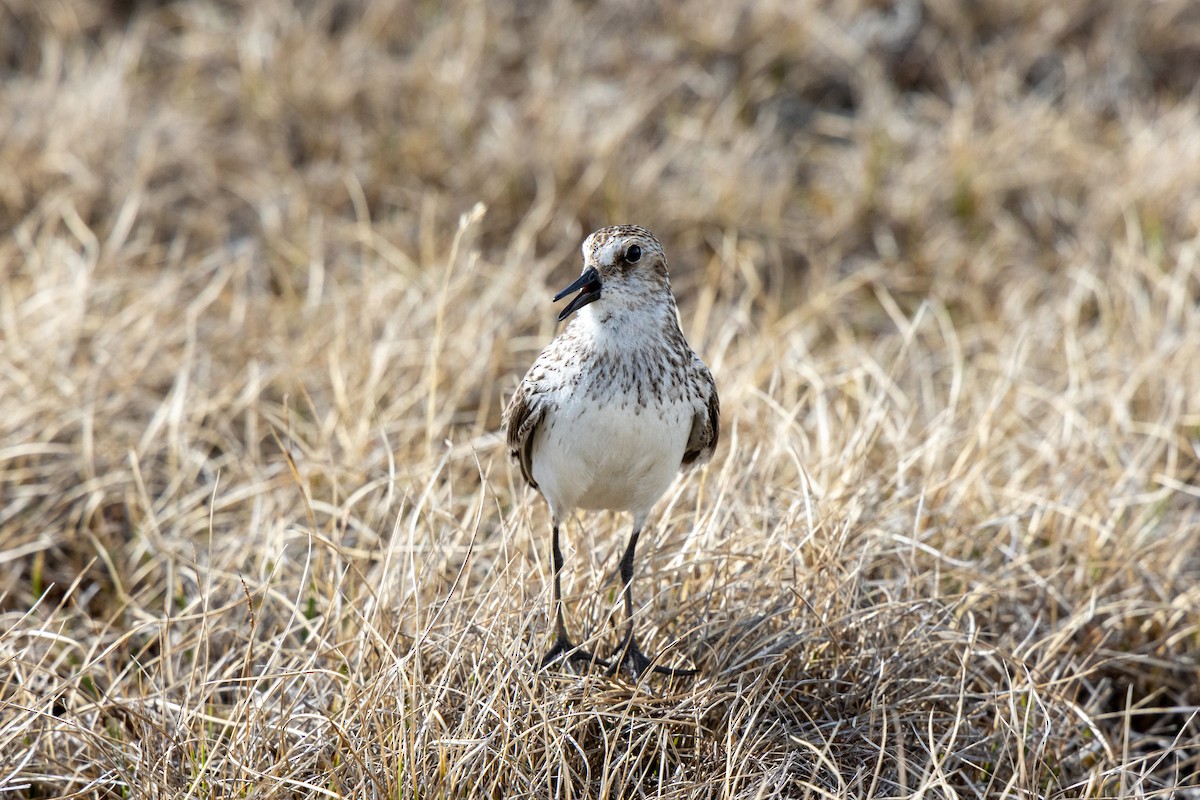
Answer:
(613, 408)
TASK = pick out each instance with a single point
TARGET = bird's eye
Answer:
(633, 254)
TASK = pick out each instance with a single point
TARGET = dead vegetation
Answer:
(258, 536)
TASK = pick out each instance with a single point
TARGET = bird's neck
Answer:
(624, 328)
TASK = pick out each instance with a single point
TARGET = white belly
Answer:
(609, 456)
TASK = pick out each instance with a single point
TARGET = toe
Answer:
(631, 657)
(565, 649)
(560, 648)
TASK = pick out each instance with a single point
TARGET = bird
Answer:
(612, 410)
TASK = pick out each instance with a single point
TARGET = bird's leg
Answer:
(563, 646)
(628, 653)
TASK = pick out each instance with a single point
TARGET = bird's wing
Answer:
(706, 419)
(524, 413)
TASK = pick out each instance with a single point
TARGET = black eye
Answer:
(633, 254)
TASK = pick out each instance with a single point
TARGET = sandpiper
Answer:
(613, 408)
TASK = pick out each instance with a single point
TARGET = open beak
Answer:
(588, 286)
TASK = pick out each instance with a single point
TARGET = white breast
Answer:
(616, 455)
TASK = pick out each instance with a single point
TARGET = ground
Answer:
(270, 272)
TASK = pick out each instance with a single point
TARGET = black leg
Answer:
(627, 575)
(628, 653)
(563, 646)
(556, 553)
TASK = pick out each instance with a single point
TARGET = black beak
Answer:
(588, 286)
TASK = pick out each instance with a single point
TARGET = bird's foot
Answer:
(628, 654)
(564, 648)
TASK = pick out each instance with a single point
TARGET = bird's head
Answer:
(624, 268)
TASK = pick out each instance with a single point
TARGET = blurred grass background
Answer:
(270, 271)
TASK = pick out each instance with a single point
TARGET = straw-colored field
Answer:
(270, 274)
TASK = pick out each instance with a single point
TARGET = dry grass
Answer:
(258, 535)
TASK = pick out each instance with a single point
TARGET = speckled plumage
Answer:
(618, 404)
